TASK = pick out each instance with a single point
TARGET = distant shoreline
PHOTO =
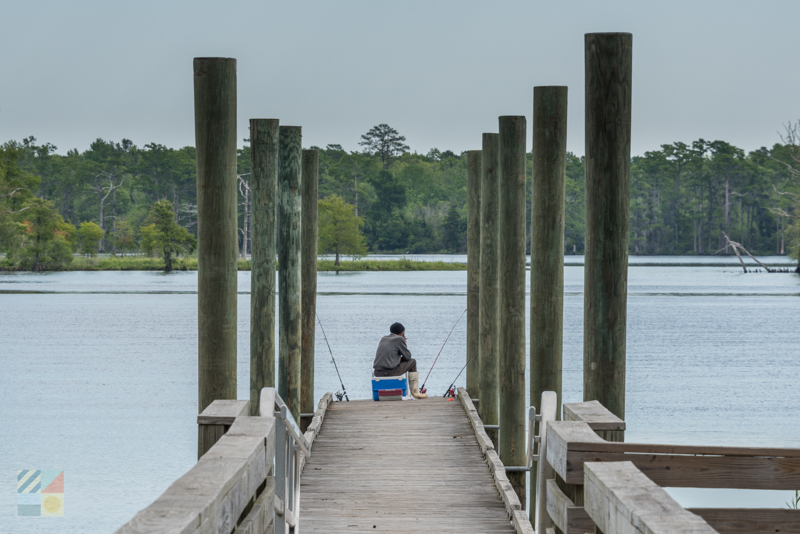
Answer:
(138, 263)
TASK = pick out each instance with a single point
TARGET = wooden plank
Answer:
(569, 518)
(593, 413)
(751, 520)
(401, 466)
(261, 516)
(739, 472)
(223, 412)
(560, 434)
(475, 421)
(570, 444)
(620, 498)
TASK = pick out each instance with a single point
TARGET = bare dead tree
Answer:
(737, 247)
(244, 190)
(105, 183)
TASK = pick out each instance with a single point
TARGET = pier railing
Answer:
(614, 487)
(247, 481)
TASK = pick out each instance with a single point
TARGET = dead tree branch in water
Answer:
(736, 247)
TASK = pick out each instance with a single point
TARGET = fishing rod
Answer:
(422, 389)
(452, 392)
(339, 394)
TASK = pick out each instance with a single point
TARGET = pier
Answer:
(270, 465)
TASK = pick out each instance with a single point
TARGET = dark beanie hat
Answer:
(397, 328)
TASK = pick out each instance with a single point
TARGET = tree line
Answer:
(685, 197)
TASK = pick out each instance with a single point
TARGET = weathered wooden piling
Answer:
(547, 246)
(289, 267)
(608, 147)
(547, 240)
(264, 185)
(512, 298)
(473, 266)
(215, 138)
(488, 294)
(310, 177)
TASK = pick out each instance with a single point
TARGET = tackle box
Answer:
(385, 388)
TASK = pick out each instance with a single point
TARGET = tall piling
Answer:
(310, 177)
(473, 268)
(489, 289)
(512, 298)
(289, 267)
(215, 139)
(547, 241)
(609, 60)
(264, 186)
(547, 246)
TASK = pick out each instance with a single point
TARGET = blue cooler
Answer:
(385, 388)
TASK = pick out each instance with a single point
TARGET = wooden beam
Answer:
(620, 498)
(489, 297)
(608, 150)
(215, 139)
(570, 445)
(289, 267)
(474, 166)
(570, 519)
(264, 162)
(512, 410)
(547, 240)
(607, 425)
(310, 173)
(751, 520)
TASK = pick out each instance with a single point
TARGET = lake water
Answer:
(99, 370)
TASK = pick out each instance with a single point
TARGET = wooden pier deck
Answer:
(412, 466)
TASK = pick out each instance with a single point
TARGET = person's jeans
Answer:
(409, 366)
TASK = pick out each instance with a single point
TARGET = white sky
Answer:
(440, 72)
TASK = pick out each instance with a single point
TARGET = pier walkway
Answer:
(412, 466)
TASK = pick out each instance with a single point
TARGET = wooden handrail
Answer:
(576, 446)
(620, 498)
(232, 485)
(571, 444)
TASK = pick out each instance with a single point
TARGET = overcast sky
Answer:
(440, 72)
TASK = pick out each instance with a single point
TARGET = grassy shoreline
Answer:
(138, 263)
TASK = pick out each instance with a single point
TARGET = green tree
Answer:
(454, 229)
(89, 237)
(164, 235)
(124, 236)
(339, 228)
(44, 245)
(385, 142)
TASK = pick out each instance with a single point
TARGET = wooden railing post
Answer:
(264, 159)
(473, 267)
(608, 151)
(512, 297)
(310, 173)
(489, 291)
(289, 267)
(215, 138)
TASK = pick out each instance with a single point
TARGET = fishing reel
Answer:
(451, 393)
(423, 390)
(340, 395)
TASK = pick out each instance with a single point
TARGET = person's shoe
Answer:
(413, 385)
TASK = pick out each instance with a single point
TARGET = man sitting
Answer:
(394, 359)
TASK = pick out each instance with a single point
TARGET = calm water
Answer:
(99, 371)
